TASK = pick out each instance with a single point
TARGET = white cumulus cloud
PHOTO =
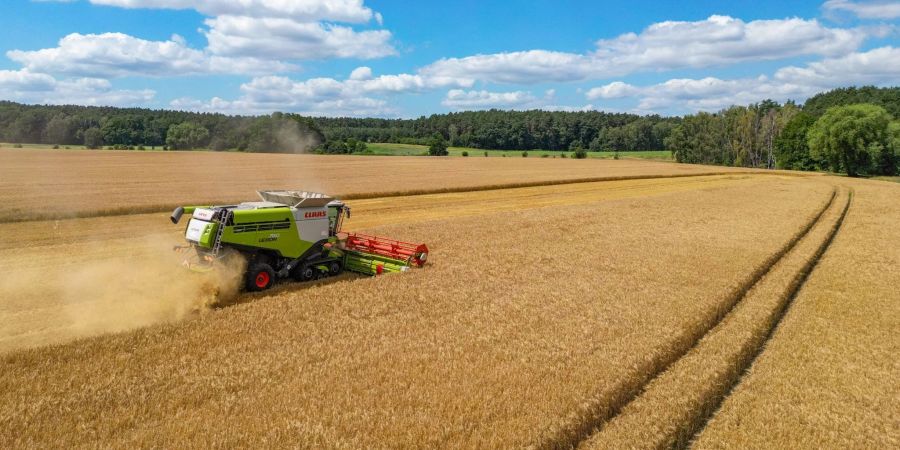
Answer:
(715, 41)
(282, 29)
(533, 66)
(616, 89)
(879, 66)
(361, 73)
(359, 95)
(26, 86)
(876, 66)
(119, 55)
(883, 9)
(280, 38)
(460, 99)
(350, 11)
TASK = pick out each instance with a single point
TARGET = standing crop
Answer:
(525, 323)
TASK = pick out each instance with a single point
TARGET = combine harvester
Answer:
(290, 234)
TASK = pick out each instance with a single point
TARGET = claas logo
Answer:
(314, 214)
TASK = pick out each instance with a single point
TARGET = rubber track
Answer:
(596, 414)
(11, 217)
(796, 285)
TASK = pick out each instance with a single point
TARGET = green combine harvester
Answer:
(290, 234)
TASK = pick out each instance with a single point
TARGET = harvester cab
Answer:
(290, 234)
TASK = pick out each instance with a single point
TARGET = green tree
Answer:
(855, 139)
(437, 146)
(93, 138)
(792, 145)
(186, 135)
(336, 147)
(351, 145)
(888, 98)
(123, 129)
(890, 158)
(58, 131)
(699, 139)
(27, 127)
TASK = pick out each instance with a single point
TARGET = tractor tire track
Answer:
(797, 284)
(608, 403)
(676, 404)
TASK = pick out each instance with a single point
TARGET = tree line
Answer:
(826, 133)
(96, 127)
(850, 130)
(512, 130)
(493, 129)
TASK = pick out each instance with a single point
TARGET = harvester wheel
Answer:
(305, 273)
(260, 277)
(334, 269)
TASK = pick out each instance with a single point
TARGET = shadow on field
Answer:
(283, 287)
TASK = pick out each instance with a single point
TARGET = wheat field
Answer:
(501, 344)
(829, 375)
(45, 257)
(52, 185)
(645, 310)
(673, 406)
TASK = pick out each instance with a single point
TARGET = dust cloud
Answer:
(103, 295)
(290, 138)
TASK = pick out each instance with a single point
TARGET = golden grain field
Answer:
(47, 184)
(720, 310)
(673, 406)
(46, 256)
(829, 376)
(501, 344)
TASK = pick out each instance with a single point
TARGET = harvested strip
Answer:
(593, 412)
(416, 208)
(674, 405)
(828, 376)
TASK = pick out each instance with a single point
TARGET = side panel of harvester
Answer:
(266, 229)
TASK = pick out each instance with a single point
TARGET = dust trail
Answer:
(290, 137)
(65, 302)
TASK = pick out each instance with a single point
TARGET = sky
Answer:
(384, 58)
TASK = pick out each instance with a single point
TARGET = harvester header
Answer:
(290, 234)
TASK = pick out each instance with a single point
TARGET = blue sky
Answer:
(402, 59)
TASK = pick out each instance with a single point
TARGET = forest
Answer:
(765, 134)
(127, 128)
(851, 130)
(513, 130)
(493, 129)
